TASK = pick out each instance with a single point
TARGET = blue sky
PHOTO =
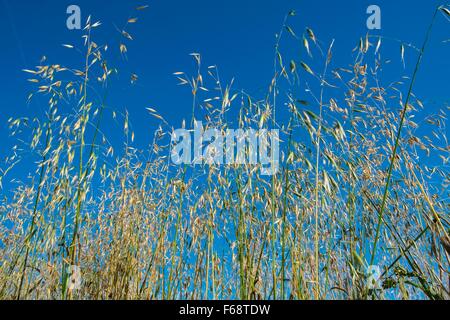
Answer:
(237, 36)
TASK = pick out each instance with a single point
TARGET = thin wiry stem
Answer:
(397, 140)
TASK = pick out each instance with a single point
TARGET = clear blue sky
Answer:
(237, 36)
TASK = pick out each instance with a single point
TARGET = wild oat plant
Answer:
(352, 190)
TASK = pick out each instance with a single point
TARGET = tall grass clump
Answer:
(360, 183)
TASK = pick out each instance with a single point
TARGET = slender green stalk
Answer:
(36, 202)
(81, 176)
(397, 140)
